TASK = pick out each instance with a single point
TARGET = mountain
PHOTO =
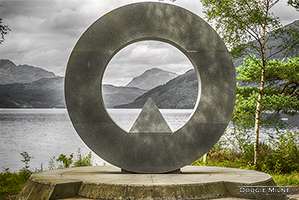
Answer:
(151, 78)
(28, 86)
(180, 92)
(183, 94)
(113, 95)
(44, 93)
(11, 73)
(274, 42)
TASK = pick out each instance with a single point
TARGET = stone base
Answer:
(107, 182)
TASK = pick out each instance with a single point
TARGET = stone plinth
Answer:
(107, 182)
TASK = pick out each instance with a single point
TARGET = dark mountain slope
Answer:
(180, 92)
(10, 73)
(44, 93)
(113, 95)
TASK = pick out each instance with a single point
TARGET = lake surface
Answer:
(44, 133)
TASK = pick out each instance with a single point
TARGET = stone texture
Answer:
(150, 153)
(107, 182)
(150, 120)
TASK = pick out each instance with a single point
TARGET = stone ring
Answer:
(150, 152)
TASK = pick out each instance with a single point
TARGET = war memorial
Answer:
(150, 161)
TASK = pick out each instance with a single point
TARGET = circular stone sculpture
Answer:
(150, 152)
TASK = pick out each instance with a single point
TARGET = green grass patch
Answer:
(12, 183)
(291, 179)
(222, 160)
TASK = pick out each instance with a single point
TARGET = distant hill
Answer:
(113, 95)
(271, 42)
(151, 78)
(28, 86)
(180, 92)
(44, 93)
(11, 73)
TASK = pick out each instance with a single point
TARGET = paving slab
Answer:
(107, 182)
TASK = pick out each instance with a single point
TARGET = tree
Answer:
(3, 31)
(281, 89)
(246, 26)
(294, 3)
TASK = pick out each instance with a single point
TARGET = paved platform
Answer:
(107, 182)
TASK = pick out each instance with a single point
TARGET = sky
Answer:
(44, 32)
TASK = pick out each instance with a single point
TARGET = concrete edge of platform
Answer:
(50, 186)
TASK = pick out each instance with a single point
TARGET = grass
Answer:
(291, 179)
(12, 183)
(281, 179)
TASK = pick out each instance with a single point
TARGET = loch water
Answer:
(44, 133)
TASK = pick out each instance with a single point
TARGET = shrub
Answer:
(83, 161)
(68, 161)
(282, 157)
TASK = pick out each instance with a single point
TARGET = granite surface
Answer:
(150, 153)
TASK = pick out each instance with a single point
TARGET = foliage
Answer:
(65, 160)
(3, 31)
(281, 91)
(291, 179)
(52, 163)
(11, 183)
(68, 161)
(239, 22)
(246, 27)
(26, 159)
(83, 161)
(294, 3)
(279, 157)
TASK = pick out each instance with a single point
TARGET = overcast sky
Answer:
(44, 33)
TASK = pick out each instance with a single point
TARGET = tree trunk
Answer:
(257, 116)
(260, 98)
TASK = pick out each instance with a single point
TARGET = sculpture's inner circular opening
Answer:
(150, 69)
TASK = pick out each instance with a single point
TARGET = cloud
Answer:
(286, 14)
(44, 33)
(134, 59)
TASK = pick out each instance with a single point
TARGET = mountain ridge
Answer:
(11, 73)
(151, 78)
(30, 90)
(178, 93)
(43, 93)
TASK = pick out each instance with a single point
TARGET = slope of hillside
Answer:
(113, 95)
(10, 73)
(180, 92)
(274, 52)
(44, 93)
(151, 78)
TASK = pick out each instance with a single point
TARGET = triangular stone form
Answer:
(150, 120)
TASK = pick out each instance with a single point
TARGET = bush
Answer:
(67, 161)
(281, 157)
(12, 183)
(83, 161)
